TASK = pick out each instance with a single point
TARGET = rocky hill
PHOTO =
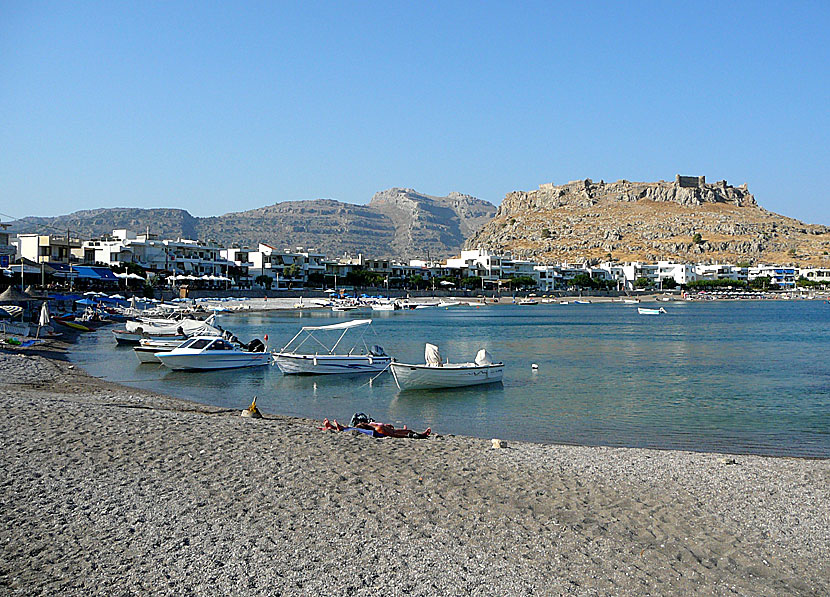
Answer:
(399, 223)
(649, 221)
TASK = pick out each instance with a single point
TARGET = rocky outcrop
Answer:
(400, 223)
(686, 219)
(431, 223)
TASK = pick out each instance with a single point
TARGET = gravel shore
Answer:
(109, 490)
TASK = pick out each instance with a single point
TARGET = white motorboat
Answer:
(355, 360)
(147, 348)
(178, 330)
(434, 374)
(631, 301)
(443, 303)
(390, 306)
(525, 302)
(213, 352)
(646, 311)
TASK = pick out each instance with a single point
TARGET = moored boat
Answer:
(147, 349)
(434, 374)
(212, 352)
(369, 360)
(647, 311)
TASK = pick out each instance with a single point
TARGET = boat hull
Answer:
(229, 360)
(307, 364)
(148, 355)
(423, 377)
(133, 339)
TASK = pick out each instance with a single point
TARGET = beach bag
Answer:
(358, 419)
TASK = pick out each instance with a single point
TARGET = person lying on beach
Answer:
(382, 429)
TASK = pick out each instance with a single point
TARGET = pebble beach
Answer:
(109, 490)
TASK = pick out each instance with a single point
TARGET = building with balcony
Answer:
(46, 248)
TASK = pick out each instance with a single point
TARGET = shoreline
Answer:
(110, 488)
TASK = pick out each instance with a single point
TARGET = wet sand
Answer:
(109, 490)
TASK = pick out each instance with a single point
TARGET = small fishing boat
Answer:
(358, 359)
(525, 302)
(582, 302)
(434, 374)
(443, 303)
(390, 306)
(147, 349)
(212, 352)
(646, 311)
(630, 301)
(177, 330)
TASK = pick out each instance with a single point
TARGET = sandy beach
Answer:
(109, 490)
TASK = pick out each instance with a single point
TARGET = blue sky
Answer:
(217, 107)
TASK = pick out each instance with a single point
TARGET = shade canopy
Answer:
(13, 295)
(345, 325)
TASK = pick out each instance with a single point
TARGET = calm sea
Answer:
(737, 377)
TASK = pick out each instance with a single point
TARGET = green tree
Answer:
(642, 282)
(545, 233)
(761, 282)
(583, 281)
(523, 282)
(264, 280)
(471, 282)
(669, 283)
(697, 239)
(291, 271)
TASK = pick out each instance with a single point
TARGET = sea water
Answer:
(736, 377)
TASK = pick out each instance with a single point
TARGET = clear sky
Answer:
(217, 107)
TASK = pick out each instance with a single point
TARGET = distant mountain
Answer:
(685, 219)
(400, 223)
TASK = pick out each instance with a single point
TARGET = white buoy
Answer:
(534, 366)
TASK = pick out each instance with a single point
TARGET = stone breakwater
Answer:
(108, 490)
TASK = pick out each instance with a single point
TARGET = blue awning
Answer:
(95, 273)
(62, 270)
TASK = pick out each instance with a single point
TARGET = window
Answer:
(199, 343)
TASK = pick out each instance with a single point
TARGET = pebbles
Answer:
(103, 495)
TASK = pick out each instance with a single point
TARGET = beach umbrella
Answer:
(13, 295)
(12, 310)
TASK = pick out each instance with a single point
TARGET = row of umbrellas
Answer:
(211, 278)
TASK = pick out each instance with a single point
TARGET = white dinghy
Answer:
(647, 311)
(355, 360)
(435, 374)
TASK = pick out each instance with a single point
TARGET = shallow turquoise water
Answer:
(740, 377)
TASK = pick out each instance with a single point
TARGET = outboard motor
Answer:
(256, 345)
(377, 351)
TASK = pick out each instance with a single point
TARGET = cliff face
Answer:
(432, 223)
(399, 223)
(639, 221)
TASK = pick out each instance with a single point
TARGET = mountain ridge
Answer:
(396, 223)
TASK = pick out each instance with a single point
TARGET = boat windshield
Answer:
(199, 343)
(220, 345)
